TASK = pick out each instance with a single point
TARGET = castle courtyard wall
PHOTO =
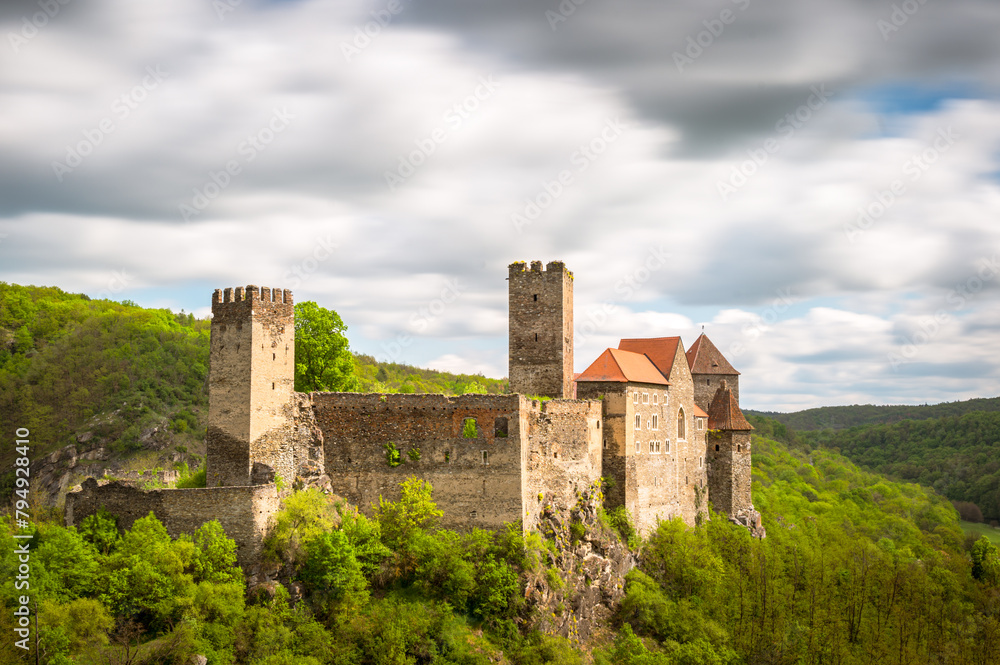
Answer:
(243, 511)
(470, 490)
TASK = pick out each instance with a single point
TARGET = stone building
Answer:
(644, 418)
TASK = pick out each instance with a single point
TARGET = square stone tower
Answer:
(540, 360)
(251, 382)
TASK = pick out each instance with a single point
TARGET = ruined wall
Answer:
(251, 383)
(563, 453)
(242, 511)
(615, 441)
(477, 481)
(540, 329)
(705, 386)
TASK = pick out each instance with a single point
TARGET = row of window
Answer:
(645, 398)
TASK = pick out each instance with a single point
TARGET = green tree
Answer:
(322, 358)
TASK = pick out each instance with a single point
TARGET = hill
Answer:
(841, 417)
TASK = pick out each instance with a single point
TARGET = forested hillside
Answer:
(385, 377)
(65, 358)
(841, 417)
(957, 456)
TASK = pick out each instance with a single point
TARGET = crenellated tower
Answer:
(251, 383)
(540, 359)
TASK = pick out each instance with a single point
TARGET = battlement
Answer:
(552, 269)
(251, 293)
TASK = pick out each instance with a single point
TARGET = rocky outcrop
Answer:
(581, 577)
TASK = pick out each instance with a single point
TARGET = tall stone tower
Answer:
(728, 444)
(250, 385)
(540, 360)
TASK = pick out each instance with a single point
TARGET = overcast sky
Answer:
(815, 183)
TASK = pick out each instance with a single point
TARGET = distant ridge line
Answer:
(843, 417)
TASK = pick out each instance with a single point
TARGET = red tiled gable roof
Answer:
(724, 413)
(622, 366)
(660, 350)
(705, 358)
(699, 413)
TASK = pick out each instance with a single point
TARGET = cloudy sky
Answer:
(815, 183)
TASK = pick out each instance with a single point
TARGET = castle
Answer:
(661, 426)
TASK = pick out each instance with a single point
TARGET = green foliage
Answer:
(620, 520)
(469, 428)
(215, 555)
(413, 454)
(322, 358)
(414, 510)
(985, 561)
(332, 572)
(840, 417)
(191, 480)
(304, 515)
(100, 530)
(392, 455)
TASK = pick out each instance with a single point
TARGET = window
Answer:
(655, 398)
(701, 462)
(645, 398)
(652, 446)
(486, 457)
(500, 427)
(739, 449)
(701, 423)
(716, 447)
(638, 421)
(656, 424)
(637, 449)
(635, 398)
(666, 446)
(536, 297)
(681, 429)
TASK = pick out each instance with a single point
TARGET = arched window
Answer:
(681, 429)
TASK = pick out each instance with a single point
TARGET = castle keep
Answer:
(662, 426)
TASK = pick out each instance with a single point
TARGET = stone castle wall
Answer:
(242, 511)
(540, 329)
(564, 453)
(477, 481)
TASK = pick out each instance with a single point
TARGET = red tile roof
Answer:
(622, 366)
(699, 413)
(705, 358)
(724, 413)
(660, 350)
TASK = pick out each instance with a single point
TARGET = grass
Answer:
(982, 530)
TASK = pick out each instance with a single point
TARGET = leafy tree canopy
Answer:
(322, 358)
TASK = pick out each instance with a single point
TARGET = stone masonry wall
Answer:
(615, 441)
(251, 383)
(729, 471)
(563, 453)
(477, 481)
(705, 386)
(242, 511)
(540, 329)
